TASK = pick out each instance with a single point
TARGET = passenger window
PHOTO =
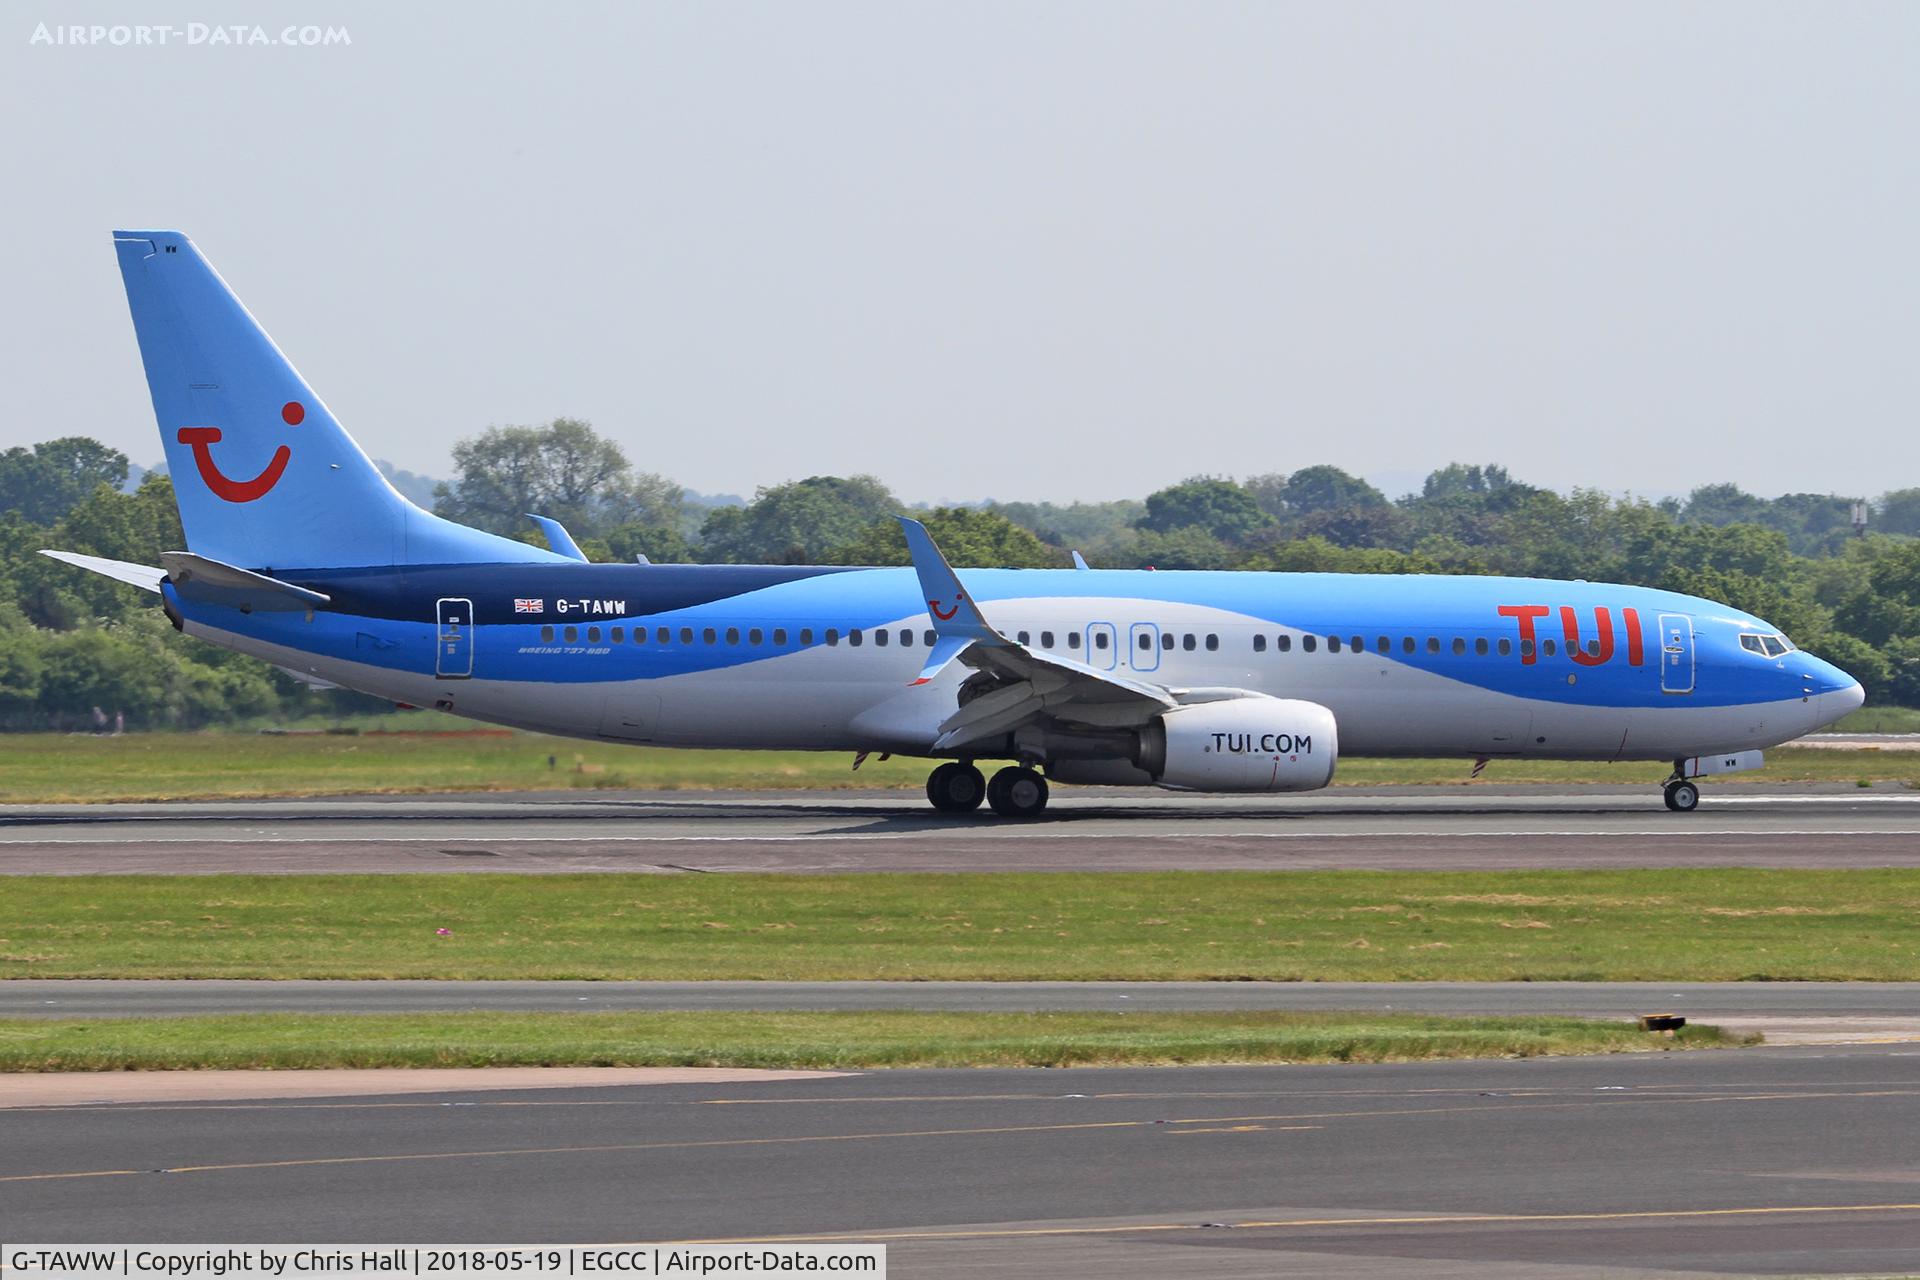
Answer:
(1433, 644)
(880, 636)
(1146, 641)
(1283, 643)
(707, 636)
(733, 635)
(833, 635)
(1406, 644)
(906, 638)
(1046, 639)
(620, 635)
(1359, 645)
(1259, 644)
(546, 635)
(1547, 647)
(1307, 643)
(1383, 644)
(1024, 637)
(806, 635)
(572, 634)
(756, 636)
(1213, 642)
(593, 635)
(1526, 648)
(1459, 646)
(1187, 642)
(854, 637)
(1506, 646)
(686, 635)
(779, 635)
(929, 638)
(1073, 639)
(663, 635)
(1333, 644)
(1166, 640)
(1593, 647)
(1480, 646)
(1100, 640)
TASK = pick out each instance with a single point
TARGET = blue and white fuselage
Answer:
(303, 556)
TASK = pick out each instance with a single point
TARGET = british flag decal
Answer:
(529, 606)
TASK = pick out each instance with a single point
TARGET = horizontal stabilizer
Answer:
(143, 576)
(207, 581)
(558, 538)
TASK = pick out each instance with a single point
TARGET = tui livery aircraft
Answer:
(300, 553)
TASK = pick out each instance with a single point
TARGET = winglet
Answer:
(558, 538)
(957, 620)
(953, 611)
(1079, 561)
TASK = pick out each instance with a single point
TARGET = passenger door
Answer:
(1676, 653)
(453, 639)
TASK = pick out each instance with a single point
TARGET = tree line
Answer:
(71, 642)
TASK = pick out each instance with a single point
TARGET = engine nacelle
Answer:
(1243, 744)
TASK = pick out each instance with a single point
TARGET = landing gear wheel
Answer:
(956, 788)
(1017, 793)
(1682, 797)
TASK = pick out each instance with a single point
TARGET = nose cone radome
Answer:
(1838, 693)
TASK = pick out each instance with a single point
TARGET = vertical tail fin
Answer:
(264, 474)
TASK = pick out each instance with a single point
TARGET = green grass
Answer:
(889, 1039)
(1650, 925)
(1878, 720)
(47, 768)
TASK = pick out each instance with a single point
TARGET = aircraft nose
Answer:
(1842, 695)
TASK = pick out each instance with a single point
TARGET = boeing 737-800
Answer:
(300, 553)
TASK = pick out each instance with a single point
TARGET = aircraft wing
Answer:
(1028, 684)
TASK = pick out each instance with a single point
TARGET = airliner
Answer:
(301, 554)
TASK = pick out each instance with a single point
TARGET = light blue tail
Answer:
(265, 477)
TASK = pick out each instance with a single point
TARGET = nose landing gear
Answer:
(1682, 796)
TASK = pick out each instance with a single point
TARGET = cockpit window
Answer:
(1766, 646)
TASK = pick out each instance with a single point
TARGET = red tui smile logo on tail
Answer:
(202, 440)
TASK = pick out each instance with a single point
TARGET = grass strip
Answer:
(884, 1039)
(49, 768)
(1714, 924)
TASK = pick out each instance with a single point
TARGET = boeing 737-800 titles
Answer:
(300, 553)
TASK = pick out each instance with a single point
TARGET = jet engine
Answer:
(1245, 744)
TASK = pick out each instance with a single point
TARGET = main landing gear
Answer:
(956, 787)
(1682, 795)
(1015, 792)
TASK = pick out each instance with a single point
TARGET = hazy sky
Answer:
(1017, 250)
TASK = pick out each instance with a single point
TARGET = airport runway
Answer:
(1754, 1162)
(1430, 828)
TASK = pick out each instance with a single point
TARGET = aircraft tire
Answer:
(1682, 797)
(956, 788)
(1017, 793)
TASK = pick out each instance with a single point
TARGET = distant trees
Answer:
(42, 482)
(564, 470)
(797, 523)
